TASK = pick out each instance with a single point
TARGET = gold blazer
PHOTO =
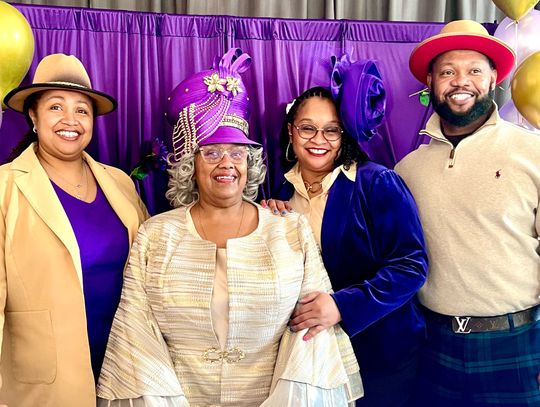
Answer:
(163, 344)
(45, 359)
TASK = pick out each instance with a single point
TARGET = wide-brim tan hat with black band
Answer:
(462, 35)
(64, 72)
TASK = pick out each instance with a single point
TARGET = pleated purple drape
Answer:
(140, 57)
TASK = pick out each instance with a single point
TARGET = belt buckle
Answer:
(460, 325)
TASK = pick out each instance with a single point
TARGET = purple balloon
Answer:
(0, 116)
(510, 113)
(522, 36)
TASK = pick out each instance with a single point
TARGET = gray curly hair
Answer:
(183, 190)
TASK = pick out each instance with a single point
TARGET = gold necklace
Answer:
(313, 187)
(203, 232)
(76, 187)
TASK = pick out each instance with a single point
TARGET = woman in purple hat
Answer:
(211, 285)
(367, 227)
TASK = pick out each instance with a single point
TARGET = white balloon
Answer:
(522, 36)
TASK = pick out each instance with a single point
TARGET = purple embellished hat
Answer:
(212, 106)
(358, 89)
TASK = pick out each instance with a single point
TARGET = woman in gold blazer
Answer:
(46, 313)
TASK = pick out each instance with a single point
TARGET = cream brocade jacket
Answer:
(162, 348)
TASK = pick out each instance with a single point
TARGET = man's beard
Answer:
(480, 108)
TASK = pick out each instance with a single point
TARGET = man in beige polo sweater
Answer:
(477, 186)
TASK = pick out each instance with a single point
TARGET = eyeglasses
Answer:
(214, 155)
(308, 131)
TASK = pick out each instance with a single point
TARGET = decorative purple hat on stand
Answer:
(358, 89)
(211, 106)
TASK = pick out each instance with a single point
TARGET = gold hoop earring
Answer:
(287, 153)
(338, 155)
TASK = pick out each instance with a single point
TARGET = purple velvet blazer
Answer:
(373, 249)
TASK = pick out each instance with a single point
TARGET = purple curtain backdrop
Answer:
(140, 57)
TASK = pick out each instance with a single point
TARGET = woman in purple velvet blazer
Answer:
(367, 226)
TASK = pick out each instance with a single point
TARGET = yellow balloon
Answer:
(16, 48)
(526, 89)
(515, 9)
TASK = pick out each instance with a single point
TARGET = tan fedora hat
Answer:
(458, 35)
(65, 72)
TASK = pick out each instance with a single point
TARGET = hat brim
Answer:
(16, 98)
(228, 135)
(501, 54)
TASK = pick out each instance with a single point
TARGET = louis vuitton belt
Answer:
(466, 325)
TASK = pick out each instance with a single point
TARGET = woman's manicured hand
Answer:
(277, 207)
(316, 311)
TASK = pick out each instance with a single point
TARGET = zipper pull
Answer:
(452, 154)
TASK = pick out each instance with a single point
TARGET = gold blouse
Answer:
(313, 208)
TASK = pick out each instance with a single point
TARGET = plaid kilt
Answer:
(497, 368)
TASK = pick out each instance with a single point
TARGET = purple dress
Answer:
(104, 247)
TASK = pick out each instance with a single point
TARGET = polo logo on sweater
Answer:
(462, 323)
(498, 174)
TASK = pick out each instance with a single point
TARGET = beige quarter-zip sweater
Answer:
(478, 205)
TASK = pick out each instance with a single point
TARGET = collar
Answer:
(35, 185)
(434, 130)
(294, 176)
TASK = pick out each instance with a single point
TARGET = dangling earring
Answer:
(34, 129)
(287, 153)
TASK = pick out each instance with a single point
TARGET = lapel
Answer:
(124, 207)
(336, 217)
(34, 184)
